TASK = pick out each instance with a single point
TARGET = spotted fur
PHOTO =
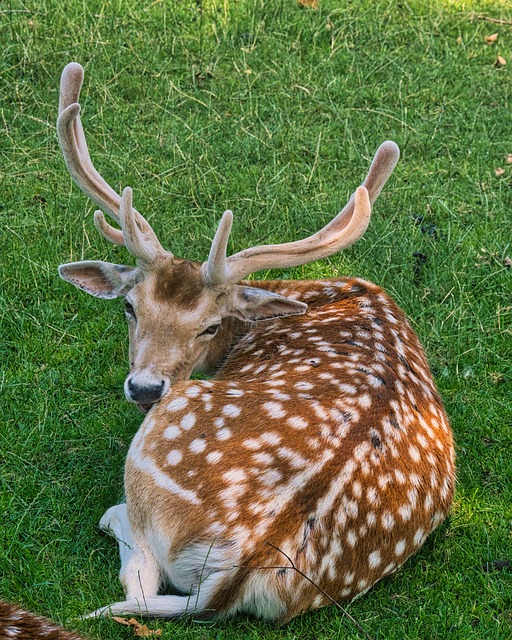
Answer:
(336, 450)
(18, 624)
(320, 438)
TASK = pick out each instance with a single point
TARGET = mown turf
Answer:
(274, 111)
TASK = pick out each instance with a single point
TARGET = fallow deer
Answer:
(320, 438)
(18, 624)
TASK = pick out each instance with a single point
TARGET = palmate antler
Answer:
(139, 238)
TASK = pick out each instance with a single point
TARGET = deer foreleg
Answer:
(139, 574)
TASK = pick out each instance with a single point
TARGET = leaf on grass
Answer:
(499, 172)
(310, 4)
(139, 630)
(500, 61)
(508, 262)
(509, 158)
(492, 38)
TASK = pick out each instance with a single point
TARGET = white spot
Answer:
(237, 393)
(371, 518)
(361, 450)
(388, 520)
(320, 411)
(177, 403)
(352, 538)
(297, 422)
(231, 410)
(414, 453)
(384, 480)
(294, 459)
(270, 477)
(349, 577)
(263, 458)
(400, 476)
(172, 432)
(188, 421)
(277, 395)
(274, 409)
(224, 434)
(437, 518)
(372, 496)
(174, 457)
(219, 422)
(304, 386)
(364, 401)
(193, 392)
(351, 508)
(419, 537)
(235, 475)
(271, 438)
(374, 559)
(198, 445)
(348, 389)
(214, 457)
(252, 443)
(400, 547)
(405, 511)
(357, 489)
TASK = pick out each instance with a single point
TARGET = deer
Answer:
(16, 622)
(316, 444)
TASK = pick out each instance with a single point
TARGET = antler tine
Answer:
(137, 240)
(74, 146)
(345, 229)
(215, 268)
(79, 164)
(109, 232)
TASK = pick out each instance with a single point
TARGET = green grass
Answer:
(273, 111)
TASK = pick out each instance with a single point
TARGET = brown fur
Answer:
(178, 282)
(18, 624)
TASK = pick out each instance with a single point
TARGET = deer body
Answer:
(321, 441)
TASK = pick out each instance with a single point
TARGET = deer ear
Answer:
(100, 279)
(250, 304)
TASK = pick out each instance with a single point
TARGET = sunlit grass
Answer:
(274, 111)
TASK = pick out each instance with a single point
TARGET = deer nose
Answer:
(144, 393)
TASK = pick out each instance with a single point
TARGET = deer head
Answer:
(181, 314)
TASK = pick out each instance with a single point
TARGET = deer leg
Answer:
(139, 574)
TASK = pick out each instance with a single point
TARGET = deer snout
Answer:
(144, 389)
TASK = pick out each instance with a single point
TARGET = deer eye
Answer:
(129, 310)
(211, 331)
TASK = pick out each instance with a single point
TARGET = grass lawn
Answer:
(273, 110)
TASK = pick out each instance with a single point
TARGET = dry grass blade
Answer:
(306, 577)
(494, 20)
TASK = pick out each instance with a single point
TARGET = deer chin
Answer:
(144, 408)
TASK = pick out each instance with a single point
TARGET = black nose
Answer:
(145, 394)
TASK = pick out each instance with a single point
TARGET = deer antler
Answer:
(347, 227)
(137, 235)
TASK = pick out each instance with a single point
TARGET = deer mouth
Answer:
(144, 408)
